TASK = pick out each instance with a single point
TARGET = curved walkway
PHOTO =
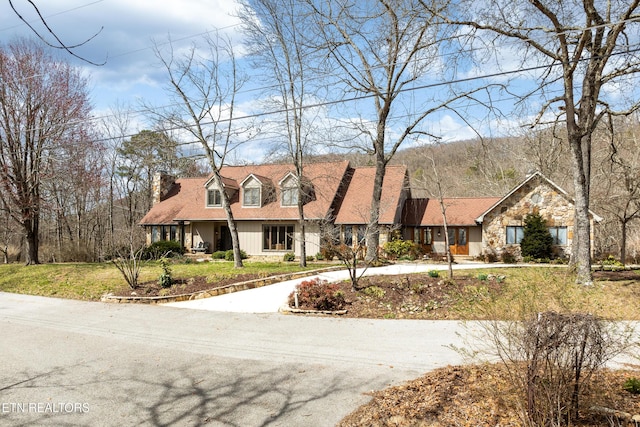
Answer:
(270, 299)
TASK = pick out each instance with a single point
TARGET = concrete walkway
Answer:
(270, 299)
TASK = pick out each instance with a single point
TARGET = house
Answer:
(492, 225)
(264, 204)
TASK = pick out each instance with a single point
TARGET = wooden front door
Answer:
(459, 240)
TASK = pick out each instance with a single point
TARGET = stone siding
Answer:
(536, 196)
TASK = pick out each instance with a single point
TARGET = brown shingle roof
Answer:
(460, 211)
(187, 200)
(356, 205)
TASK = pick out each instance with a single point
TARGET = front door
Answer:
(225, 243)
(459, 240)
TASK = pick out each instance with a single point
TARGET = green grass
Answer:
(89, 281)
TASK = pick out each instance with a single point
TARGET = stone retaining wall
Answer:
(241, 286)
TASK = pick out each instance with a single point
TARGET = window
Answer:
(514, 235)
(251, 196)
(173, 233)
(559, 235)
(155, 233)
(214, 198)
(362, 234)
(290, 196)
(278, 237)
(348, 235)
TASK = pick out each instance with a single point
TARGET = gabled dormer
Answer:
(213, 194)
(289, 190)
(256, 191)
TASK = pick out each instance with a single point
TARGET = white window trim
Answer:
(206, 201)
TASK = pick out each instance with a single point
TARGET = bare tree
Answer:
(579, 48)
(204, 85)
(44, 103)
(275, 33)
(378, 49)
(619, 176)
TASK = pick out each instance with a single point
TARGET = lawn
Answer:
(89, 281)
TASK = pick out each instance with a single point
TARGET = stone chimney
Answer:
(162, 183)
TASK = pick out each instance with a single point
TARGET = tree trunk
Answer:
(582, 225)
(31, 237)
(623, 241)
(303, 233)
(373, 230)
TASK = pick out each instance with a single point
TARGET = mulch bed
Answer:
(412, 296)
(183, 286)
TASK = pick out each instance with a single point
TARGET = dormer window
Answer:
(214, 198)
(289, 190)
(290, 196)
(251, 196)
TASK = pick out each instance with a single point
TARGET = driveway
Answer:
(89, 363)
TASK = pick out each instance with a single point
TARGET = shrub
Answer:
(483, 277)
(401, 249)
(632, 385)
(536, 239)
(228, 255)
(374, 291)
(611, 260)
(163, 248)
(289, 256)
(433, 273)
(318, 294)
(508, 256)
(165, 280)
(219, 254)
(320, 256)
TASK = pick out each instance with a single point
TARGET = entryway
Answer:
(459, 240)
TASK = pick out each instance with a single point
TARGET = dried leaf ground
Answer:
(479, 396)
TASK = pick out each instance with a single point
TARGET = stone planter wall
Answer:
(241, 286)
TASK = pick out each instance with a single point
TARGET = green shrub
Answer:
(289, 256)
(228, 255)
(406, 249)
(165, 280)
(219, 254)
(163, 248)
(433, 273)
(632, 385)
(611, 260)
(483, 277)
(374, 291)
(536, 240)
(318, 294)
(320, 256)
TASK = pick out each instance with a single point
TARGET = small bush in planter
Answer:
(316, 294)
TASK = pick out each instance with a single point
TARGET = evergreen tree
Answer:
(536, 240)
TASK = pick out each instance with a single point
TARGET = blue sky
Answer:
(132, 72)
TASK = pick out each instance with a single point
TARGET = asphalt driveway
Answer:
(89, 363)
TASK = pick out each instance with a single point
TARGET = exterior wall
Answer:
(475, 241)
(201, 232)
(251, 238)
(533, 197)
